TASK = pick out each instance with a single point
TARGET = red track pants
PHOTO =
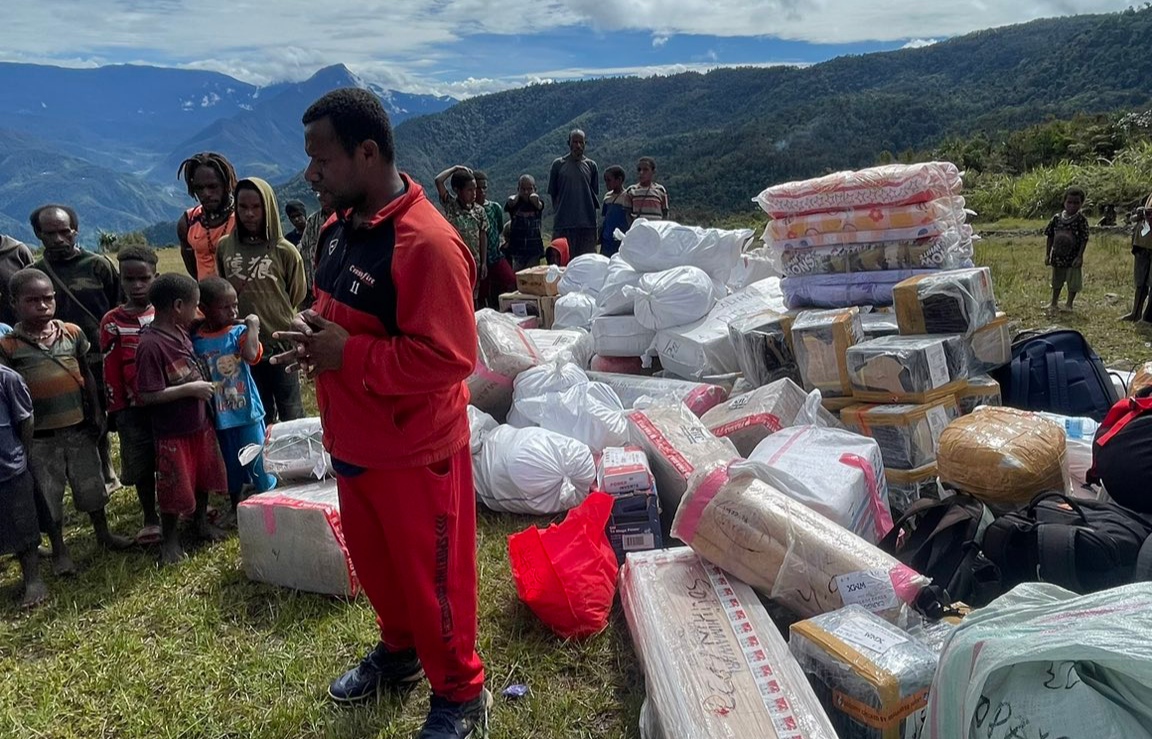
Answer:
(412, 537)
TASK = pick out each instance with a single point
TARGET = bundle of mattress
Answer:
(763, 345)
(952, 302)
(884, 186)
(949, 250)
(750, 418)
(907, 369)
(820, 340)
(924, 219)
(843, 290)
(907, 434)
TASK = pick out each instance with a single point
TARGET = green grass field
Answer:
(126, 650)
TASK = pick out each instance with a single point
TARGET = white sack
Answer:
(504, 352)
(481, 425)
(753, 266)
(574, 310)
(584, 274)
(533, 471)
(612, 300)
(654, 246)
(591, 413)
(565, 345)
(554, 377)
(674, 297)
(621, 336)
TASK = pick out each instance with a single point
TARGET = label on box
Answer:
(520, 310)
(872, 637)
(937, 420)
(871, 589)
(623, 471)
(638, 542)
(937, 366)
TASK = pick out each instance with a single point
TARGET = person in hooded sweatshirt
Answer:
(14, 256)
(268, 275)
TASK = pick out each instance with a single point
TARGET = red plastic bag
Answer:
(567, 573)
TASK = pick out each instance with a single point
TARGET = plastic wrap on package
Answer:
(941, 212)
(674, 297)
(1079, 434)
(905, 487)
(565, 345)
(949, 250)
(550, 377)
(820, 340)
(847, 242)
(907, 434)
(699, 397)
(750, 418)
(788, 551)
(533, 471)
(505, 351)
(291, 537)
(754, 265)
(871, 677)
(843, 291)
(654, 246)
(763, 346)
(879, 323)
(612, 300)
(1141, 380)
(989, 347)
(1044, 662)
(294, 450)
(950, 302)
(589, 412)
(678, 446)
(480, 424)
(584, 274)
(835, 472)
(715, 666)
(703, 348)
(978, 391)
(1003, 456)
(907, 369)
(574, 310)
(887, 185)
(621, 336)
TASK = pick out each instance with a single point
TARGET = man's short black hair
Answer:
(357, 116)
(647, 160)
(460, 180)
(1075, 192)
(480, 175)
(295, 206)
(34, 218)
(616, 172)
(23, 279)
(137, 254)
(212, 289)
(170, 287)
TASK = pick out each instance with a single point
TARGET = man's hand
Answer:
(319, 344)
(200, 389)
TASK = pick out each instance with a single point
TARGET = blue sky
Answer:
(467, 47)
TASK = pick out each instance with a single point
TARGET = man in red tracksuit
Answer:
(390, 340)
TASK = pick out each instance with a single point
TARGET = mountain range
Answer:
(108, 140)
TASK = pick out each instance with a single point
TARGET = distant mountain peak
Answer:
(336, 75)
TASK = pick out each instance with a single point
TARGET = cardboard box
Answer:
(534, 281)
(623, 470)
(635, 524)
(521, 304)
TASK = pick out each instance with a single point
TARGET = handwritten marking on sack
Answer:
(1062, 676)
(1002, 724)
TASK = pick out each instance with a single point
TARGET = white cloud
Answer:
(920, 43)
(659, 40)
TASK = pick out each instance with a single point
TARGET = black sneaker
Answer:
(448, 720)
(380, 669)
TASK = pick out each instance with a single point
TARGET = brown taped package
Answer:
(534, 281)
(1003, 456)
(907, 434)
(538, 305)
(948, 302)
(820, 340)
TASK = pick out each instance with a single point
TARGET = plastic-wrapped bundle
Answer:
(842, 291)
(848, 240)
(879, 323)
(907, 434)
(820, 340)
(674, 297)
(907, 369)
(714, 663)
(654, 246)
(294, 450)
(978, 391)
(763, 345)
(584, 274)
(871, 677)
(888, 185)
(785, 549)
(533, 471)
(480, 424)
(565, 345)
(1003, 456)
(750, 418)
(905, 487)
(989, 347)
(588, 412)
(951, 302)
(950, 250)
(612, 300)
(1041, 661)
(621, 336)
(835, 472)
(505, 351)
(927, 215)
(699, 397)
(574, 310)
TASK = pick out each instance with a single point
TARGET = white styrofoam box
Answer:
(623, 470)
(292, 537)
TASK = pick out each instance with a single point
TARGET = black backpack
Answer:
(1081, 545)
(941, 539)
(1122, 454)
(1056, 371)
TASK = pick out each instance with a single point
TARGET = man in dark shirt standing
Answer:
(574, 187)
(87, 287)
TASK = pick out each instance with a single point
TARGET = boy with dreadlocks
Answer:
(211, 179)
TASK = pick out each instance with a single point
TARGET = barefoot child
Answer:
(119, 336)
(170, 381)
(51, 357)
(228, 349)
(614, 210)
(1067, 234)
(19, 529)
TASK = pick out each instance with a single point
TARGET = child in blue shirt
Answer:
(228, 348)
(615, 210)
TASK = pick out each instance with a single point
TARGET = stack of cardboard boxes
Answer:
(535, 296)
(624, 474)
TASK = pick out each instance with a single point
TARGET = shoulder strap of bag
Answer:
(64, 288)
(79, 380)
